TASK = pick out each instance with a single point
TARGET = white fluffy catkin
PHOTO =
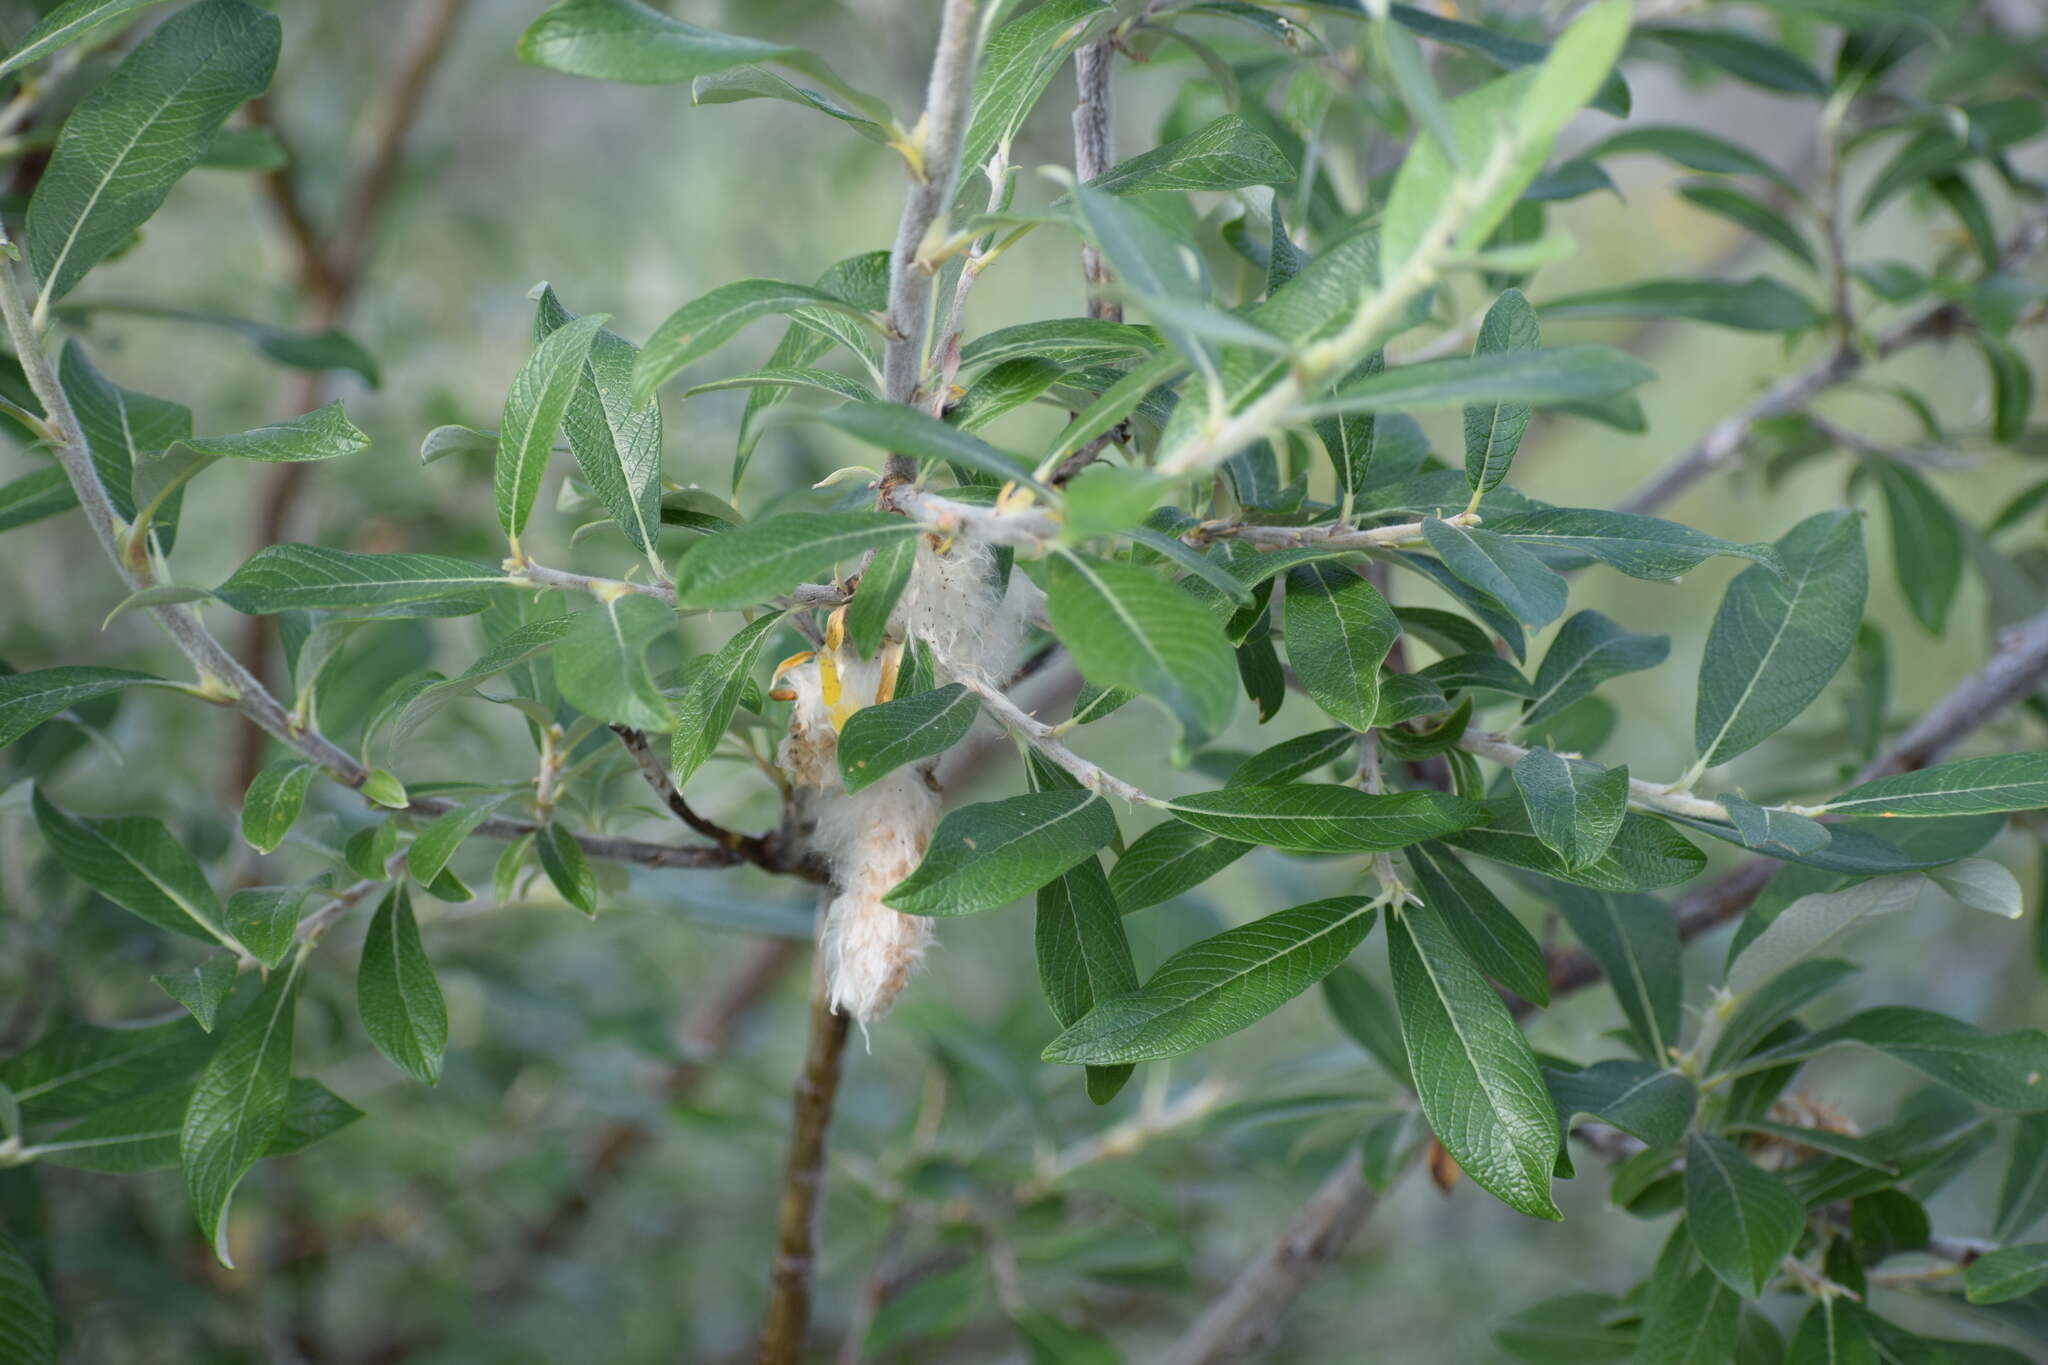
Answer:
(871, 839)
(874, 838)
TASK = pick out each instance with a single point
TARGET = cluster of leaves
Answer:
(1261, 483)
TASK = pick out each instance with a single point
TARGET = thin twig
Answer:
(1725, 439)
(764, 851)
(788, 1320)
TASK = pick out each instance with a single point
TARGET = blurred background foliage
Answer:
(546, 1202)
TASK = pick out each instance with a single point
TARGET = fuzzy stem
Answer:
(931, 190)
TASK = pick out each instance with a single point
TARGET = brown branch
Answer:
(789, 1296)
(330, 266)
(1248, 1310)
(766, 852)
(1725, 439)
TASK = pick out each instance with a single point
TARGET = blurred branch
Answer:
(704, 1038)
(1242, 1318)
(789, 1294)
(1724, 441)
(330, 266)
(1244, 1315)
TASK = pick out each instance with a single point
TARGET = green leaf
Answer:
(624, 40)
(1639, 546)
(907, 431)
(141, 1134)
(1339, 630)
(201, 989)
(238, 1106)
(1478, 1082)
(1128, 628)
(1813, 924)
(396, 993)
(1642, 1099)
(1973, 786)
(1504, 51)
(28, 1328)
(511, 651)
(704, 324)
(1588, 650)
(1764, 65)
(140, 866)
(988, 854)
(1500, 568)
(434, 845)
(1769, 830)
(1566, 1329)
(1066, 341)
(2007, 1273)
(534, 409)
(66, 24)
(272, 804)
(1315, 817)
(1751, 213)
(1646, 855)
(1744, 1221)
(1493, 431)
(1228, 154)
(1757, 304)
(1693, 149)
(706, 709)
(1220, 985)
(323, 434)
(877, 740)
(765, 559)
(1927, 542)
(1777, 640)
(122, 428)
(265, 919)
(1083, 956)
(1018, 63)
(1575, 807)
(1498, 943)
(1169, 859)
(881, 587)
(1553, 375)
(1999, 1071)
(601, 664)
(1636, 944)
(616, 445)
(316, 578)
(1516, 118)
(785, 377)
(246, 149)
(562, 858)
(33, 497)
(753, 82)
(29, 699)
(79, 1069)
(139, 131)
